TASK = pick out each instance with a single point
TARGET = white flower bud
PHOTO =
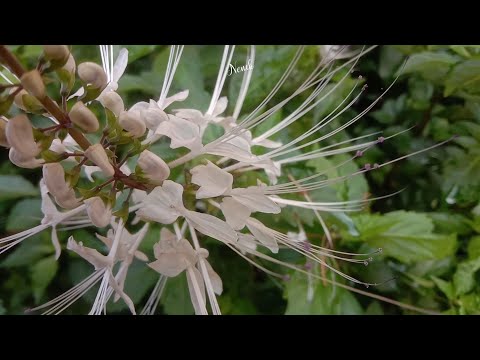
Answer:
(32, 82)
(32, 101)
(132, 122)
(70, 65)
(83, 117)
(58, 147)
(68, 200)
(153, 117)
(96, 153)
(98, 212)
(3, 135)
(56, 52)
(27, 162)
(154, 167)
(19, 135)
(112, 101)
(54, 178)
(93, 74)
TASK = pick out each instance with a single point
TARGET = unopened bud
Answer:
(56, 52)
(26, 102)
(98, 212)
(19, 135)
(83, 117)
(32, 82)
(70, 65)
(153, 117)
(93, 74)
(131, 122)
(54, 177)
(68, 200)
(113, 102)
(27, 162)
(155, 169)
(58, 147)
(3, 135)
(96, 154)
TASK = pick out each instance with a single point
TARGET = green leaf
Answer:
(390, 60)
(136, 52)
(432, 66)
(15, 186)
(464, 277)
(465, 76)
(461, 50)
(445, 286)
(390, 110)
(176, 298)
(42, 274)
(25, 214)
(147, 82)
(327, 300)
(470, 304)
(449, 223)
(406, 236)
(374, 309)
(474, 247)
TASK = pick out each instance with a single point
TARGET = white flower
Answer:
(177, 255)
(165, 205)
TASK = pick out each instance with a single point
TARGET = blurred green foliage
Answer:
(429, 232)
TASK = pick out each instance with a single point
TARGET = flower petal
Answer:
(170, 265)
(98, 260)
(220, 107)
(120, 65)
(164, 204)
(89, 170)
(211, 226)
(182, 95)
(192, 115)
(183, 133)
(235, 213)
(247, 242)
(56, 243)
(262, 234)
(141, 256)
(212, 180)
(153, 116)
(237, 148)
(140, 106)
(214, 279)
(255, 200)
(49, 209)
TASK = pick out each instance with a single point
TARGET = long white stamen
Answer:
(198, 293)
(173, 61)
(245, 82)
(222, 74)
(208, 283)
(154, 299)
(66, 299)
(111, 62)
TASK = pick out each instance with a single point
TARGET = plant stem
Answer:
(11, 61)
